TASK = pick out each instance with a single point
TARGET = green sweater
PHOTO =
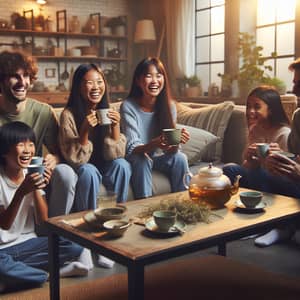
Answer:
(42, 119)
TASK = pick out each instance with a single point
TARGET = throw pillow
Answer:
(198, 144)
(213, 118)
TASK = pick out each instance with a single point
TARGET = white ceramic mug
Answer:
(102, 116)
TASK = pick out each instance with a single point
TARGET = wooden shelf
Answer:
(54, 34)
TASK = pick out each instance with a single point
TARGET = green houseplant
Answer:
(253, 69)
(190, 85)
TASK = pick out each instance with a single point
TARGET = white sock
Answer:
(74, 268)
(105, 262)
(86, 258)
(272, 237)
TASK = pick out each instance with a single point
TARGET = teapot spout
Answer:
(236, 185)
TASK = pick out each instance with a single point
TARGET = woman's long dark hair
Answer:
(78, 105)
(269, 94)
(163, 103)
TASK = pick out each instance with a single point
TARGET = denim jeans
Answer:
(173, 165)
(115, 175)
(61, 190)
(260, 179)
(26, 264)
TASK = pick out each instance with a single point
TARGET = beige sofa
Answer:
(218, 135)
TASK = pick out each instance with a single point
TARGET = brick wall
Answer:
(82, 9)
(74, 7)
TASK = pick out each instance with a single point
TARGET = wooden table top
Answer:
(137, 244)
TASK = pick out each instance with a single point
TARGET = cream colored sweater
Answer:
(75, 153)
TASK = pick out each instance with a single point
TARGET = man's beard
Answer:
(9, 95)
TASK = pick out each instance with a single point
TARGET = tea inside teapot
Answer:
(210, 186)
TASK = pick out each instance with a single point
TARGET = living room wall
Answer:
(81, 9)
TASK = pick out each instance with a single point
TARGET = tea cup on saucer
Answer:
(250, 198)
(164, 219)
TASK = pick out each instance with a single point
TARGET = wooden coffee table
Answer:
(137, 248)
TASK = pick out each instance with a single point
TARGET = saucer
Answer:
(259, 207)
(151, 226)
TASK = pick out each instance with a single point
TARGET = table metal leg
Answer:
(136, 282)
(53, 266)
(222, 249)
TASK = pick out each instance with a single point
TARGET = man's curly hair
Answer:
(11, 61)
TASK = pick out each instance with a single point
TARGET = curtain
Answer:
(180, 37)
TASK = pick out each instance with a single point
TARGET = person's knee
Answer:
(89, 171)
(139, 161)
(180, 159)
(64, 174)
(123, 166)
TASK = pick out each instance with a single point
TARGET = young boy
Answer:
(23, 255)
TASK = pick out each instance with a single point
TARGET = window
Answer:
(210, 39)
(275, 32)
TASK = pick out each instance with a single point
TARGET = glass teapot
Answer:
(210, 186)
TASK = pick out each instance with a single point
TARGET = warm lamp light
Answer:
(144, 31)
(41, 2)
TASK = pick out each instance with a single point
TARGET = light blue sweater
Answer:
(138, 126)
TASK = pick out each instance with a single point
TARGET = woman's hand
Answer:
(185, 136)
(114, 116)
(280, 165)
(50, 161)
(91, 119)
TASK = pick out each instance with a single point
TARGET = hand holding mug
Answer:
(92, 119)
(185, 136)
(114, 116)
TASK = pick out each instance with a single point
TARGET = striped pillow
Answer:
(213, 118)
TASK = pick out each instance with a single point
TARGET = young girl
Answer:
(267, 123)
(23, 255)
(145, 113)
(95, 151)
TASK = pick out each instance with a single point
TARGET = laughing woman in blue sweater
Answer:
(147, 110)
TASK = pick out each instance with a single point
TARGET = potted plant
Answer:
(191, 86)
(115, 78)
(277, 83)
(252, 71)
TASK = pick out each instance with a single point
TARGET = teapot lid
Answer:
(210, 171)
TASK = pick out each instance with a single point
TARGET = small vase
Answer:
(74, 25)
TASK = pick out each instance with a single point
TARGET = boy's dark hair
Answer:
(11, 134)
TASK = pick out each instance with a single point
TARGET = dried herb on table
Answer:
(187, 210)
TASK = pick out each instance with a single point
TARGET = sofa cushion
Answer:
(213, 118)
(199, 143)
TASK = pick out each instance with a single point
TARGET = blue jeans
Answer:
(115, 176)
(260, 179)
(61, 190)
(173, 165)
(26, 264)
